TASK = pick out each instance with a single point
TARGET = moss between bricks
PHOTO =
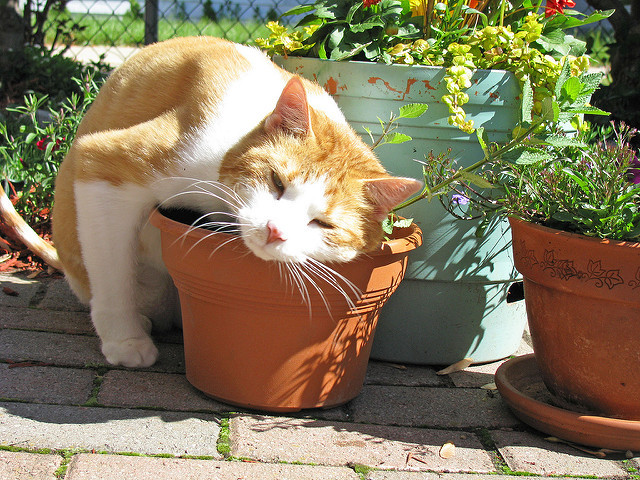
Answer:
(223, 444)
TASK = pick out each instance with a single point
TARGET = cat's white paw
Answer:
(133, 352)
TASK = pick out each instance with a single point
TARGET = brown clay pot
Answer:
(583, 306)
(251, 340)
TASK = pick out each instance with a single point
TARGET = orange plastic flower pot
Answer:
(583, 306)
(251, 339)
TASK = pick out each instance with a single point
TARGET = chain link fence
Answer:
(115, 29)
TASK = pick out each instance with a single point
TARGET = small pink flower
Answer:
(368, 3)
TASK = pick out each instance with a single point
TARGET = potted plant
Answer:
(469, 61)
(576, 240)
(572, 202)
(274, 345)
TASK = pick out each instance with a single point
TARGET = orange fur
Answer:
(192, 113)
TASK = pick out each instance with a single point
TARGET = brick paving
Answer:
(66, 414)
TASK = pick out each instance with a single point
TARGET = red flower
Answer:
(42, 143)
(368, 3)
(557, 6)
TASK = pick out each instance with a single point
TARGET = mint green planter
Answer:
(452, 303)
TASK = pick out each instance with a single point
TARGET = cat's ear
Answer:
(291, 114)
(387, 192)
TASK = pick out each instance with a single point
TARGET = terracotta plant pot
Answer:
(583, 306)
(249, 337)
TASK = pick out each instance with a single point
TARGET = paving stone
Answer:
(44, 320)
(384, 373)
(395, 475)
(431, 407)
(60, 297)
(74, 350)
(28, 466)
(529, 452)
(55, 348)
(477, 376)
(277, 439)
(101, 467)
(24, 288)
(121, 388)
(46, 384)
(108, 429)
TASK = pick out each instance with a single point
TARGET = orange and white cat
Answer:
(216, 127)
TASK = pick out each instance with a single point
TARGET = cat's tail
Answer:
(23, 232)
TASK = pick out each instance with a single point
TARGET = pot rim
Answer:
(393, 65)
(515, 221)
(406, 239)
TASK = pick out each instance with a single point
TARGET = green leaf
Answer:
(529, 157)
(571, 89)
(30, 137)
(300, 9)
(397, 138)
(387, 226)
(345, 54)
(413, 110)
(483, 140)
(582, 183)
(589, 110)
(363, 27)
(527, 101)
(476, 179)
(352, 11)
(561, 141)
(564, 75)
(591, 82)
(550, 110)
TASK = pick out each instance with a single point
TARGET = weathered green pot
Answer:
(452, 303)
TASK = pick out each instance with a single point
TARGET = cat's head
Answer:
(309, 187)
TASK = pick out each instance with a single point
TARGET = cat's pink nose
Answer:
(274, 233)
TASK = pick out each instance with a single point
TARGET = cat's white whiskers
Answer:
(298, 280)
(334, 279)
(332, 276)
(300, 267)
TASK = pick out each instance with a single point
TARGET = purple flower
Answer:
(459, 199)
(633, 172)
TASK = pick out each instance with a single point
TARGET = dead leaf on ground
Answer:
(413, 456)
(456, 367)
(10, 291)
(489, 386)
(447, 450)
(602, 453)
(397, 366)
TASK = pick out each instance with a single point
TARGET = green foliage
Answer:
(389, 133)
(135, 10)
(32, 149)
(36, 70)
(585, 189)
(513, 37)
(588, 183)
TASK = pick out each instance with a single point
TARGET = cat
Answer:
(213, 126)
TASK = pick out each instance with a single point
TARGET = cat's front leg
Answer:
(109, 222)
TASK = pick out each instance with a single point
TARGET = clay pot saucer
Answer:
(521, 386)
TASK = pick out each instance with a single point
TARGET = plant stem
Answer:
(429, 192)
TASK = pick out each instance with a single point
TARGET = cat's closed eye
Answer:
(277, 183)
(321, 223)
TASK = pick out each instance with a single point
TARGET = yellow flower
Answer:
(418, 7)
